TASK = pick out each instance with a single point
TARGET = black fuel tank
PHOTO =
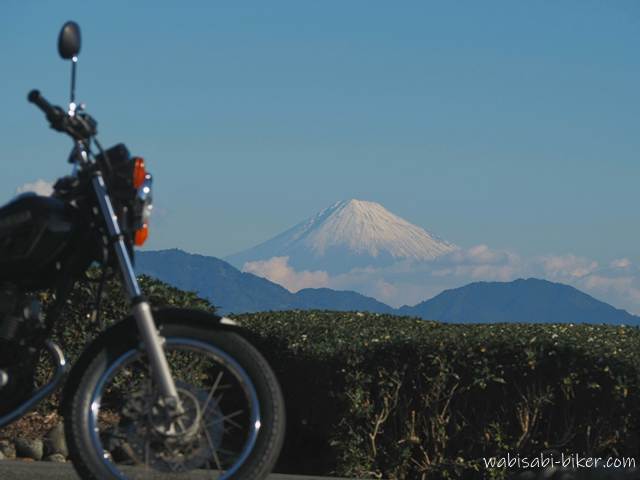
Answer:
(34, 232)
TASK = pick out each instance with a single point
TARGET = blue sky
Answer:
(510, 124)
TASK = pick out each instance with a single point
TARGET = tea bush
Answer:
(77, 325)
(379, 396)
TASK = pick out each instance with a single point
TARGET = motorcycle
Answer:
(166, 390)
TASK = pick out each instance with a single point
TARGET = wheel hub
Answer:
(167, 441)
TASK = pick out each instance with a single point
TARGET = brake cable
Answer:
(97, 311)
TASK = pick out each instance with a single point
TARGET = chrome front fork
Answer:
(151, 339)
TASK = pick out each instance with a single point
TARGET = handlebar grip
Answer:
(36, 98)
(80, 127)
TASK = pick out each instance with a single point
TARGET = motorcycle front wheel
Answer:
(233, 420)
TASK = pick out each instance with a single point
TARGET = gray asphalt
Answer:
(22, 470)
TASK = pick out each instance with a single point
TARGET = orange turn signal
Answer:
(139, 172)
(141, 235)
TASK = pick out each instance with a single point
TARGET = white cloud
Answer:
(567, 266)
(474, 264)
(620, 263)
(621, 292)
(479, 254)
(41, 187)
(408, 283)
(384, 291)
(604, 283)
(277, 270)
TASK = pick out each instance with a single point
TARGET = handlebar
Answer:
(49, 110)
(80, 126)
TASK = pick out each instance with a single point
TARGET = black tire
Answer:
(91, 464)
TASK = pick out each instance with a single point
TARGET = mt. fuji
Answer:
(349, 234)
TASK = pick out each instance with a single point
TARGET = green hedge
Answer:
(373, 395)
(379, 396)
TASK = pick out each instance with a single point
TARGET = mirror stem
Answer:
(74, 62)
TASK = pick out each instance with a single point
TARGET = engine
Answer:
(20, 320)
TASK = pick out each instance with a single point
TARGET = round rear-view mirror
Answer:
(69, 40)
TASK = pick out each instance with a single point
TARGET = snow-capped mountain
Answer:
(347, 235)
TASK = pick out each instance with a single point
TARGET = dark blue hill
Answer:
(531, 301)
(234, 291)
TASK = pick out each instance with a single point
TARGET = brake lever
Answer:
(81, 126)
(88, 123)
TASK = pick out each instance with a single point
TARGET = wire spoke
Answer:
(147, 449)
(177, 467)
(215, 398)
(228, 453)
(212, 392)
(213, 450)
(227, 418)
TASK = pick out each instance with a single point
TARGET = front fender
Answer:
(197, 318)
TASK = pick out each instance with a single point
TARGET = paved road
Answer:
(21, 470)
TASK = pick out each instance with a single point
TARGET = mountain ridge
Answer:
(539, 301)
(530, 300)
(235, 291)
